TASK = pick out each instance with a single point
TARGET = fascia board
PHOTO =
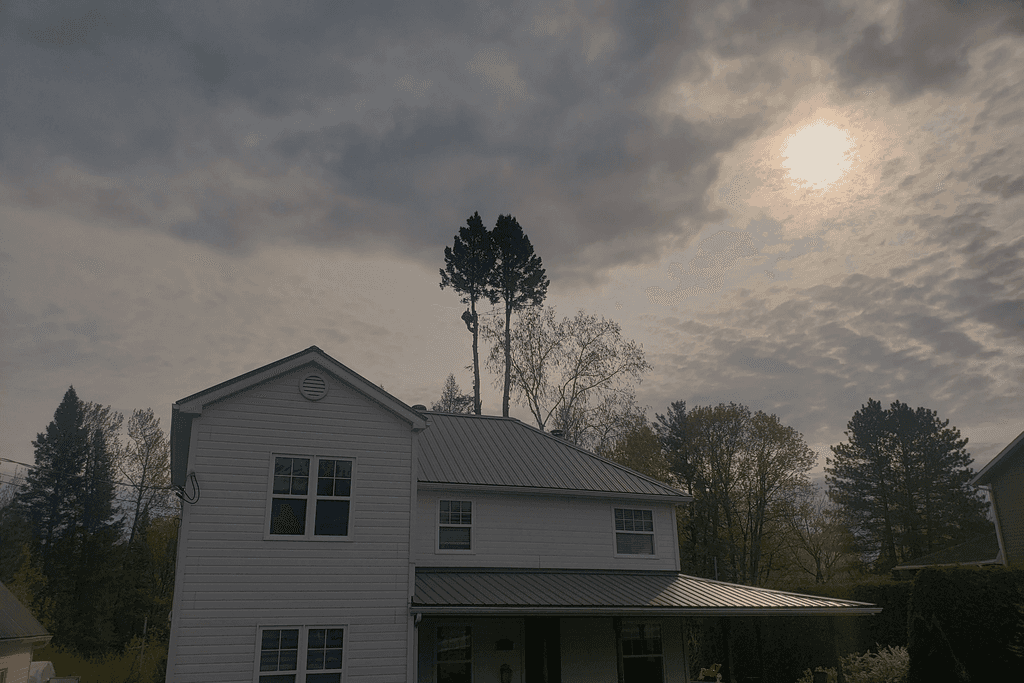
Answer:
(650, 611)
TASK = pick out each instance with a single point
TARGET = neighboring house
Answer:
(20, 633)
(1003, 479)
(333, 533)
(977, 552)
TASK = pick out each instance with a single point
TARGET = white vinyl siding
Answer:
(520, 530)
(231, 578)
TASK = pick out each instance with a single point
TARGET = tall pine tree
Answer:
(468, 266)
(902, 480)
(518, 279)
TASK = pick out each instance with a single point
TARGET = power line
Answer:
(105, 481)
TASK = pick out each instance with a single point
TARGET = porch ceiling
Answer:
(565, 591)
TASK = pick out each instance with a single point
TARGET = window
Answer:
(301, 655)
(299, 509)
(641, 653)
(455, 525)
(454, 654)
(634, 532)
(3, 675)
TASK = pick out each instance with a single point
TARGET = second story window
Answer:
(304, 508)
(634, 532)
(455, 525)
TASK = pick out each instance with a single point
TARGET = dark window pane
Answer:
(343, 487)
(315, 659)
(282, 484)
(289, 660)
(282, 466)
(271, 639)
(316, 637)
(453, 673)
(344, 469)
(324, 678)
(300, 467)
(327, 468)
(324, 487)
(331, 518)
(335, 637)
(278, 678)
(453, 538)
(288, 516)
(642, 669)
(268, 661)
(446, 506)
(634, 544)
(300, 485)
(332, 659)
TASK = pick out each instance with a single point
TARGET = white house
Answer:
(20, 634)
(332, 533)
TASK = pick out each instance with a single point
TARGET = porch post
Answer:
(617, 627)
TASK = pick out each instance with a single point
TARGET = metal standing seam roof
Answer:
(564, 591)
(501, 451)
(16, 621)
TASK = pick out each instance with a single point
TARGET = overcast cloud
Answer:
(191, 190)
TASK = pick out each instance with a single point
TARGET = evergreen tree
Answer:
(468, 270)
(518, 279)
(903, 483)
(452, 399)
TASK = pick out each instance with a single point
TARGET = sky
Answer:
(792, 205)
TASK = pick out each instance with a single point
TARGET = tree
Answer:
(146, 466)
(452, 399)
(641, 450)
(518, 279)
(577, 374)
(820, 542)
(902, 480)
(469, 266)
(744, 471)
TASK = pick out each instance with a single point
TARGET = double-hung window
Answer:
(455, 525)
(311, 496)
(642, 658)
(634, 532)
(306, 654)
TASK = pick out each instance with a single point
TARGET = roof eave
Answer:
(511, 610)
(35, 641)
(539, 491)
(987, 472)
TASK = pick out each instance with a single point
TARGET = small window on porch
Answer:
(641, 653)
(634, 532)
(454, 654)
(455, 525)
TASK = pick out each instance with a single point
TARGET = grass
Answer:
(114, 668)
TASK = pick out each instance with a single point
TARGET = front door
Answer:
(543, 650)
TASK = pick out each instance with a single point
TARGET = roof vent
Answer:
(557, 432)
(313, 387)
(419, 406)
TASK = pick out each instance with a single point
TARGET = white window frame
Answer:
(653, 533)
(300, 669)
(311, 498)
(474, 510)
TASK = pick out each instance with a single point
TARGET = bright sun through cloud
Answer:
(818, 154)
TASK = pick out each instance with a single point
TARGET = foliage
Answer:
(964, 623)
(888, 665)
(640, 450)
(576, 374)
(745, 471)
(132, 664)
(903, 483)
(820, 544)
(452, 399)
(145, 464)
(469, 266)
(518, 279)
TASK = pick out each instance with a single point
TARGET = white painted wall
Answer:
(517, 530)
(232, 580)
(16, 659)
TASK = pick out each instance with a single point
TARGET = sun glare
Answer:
(818, 154)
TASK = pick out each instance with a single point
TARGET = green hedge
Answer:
(964, 623)
(888, 628)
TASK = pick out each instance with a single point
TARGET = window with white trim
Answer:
(641, 652)
(301, 654)
(634, 532)
(455, 525)
(300, 507)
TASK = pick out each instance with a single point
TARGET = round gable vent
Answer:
(313, 387)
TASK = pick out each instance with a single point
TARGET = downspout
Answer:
(999, 529)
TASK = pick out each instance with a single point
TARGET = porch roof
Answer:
(595, 591)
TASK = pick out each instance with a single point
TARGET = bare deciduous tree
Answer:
(145, 464)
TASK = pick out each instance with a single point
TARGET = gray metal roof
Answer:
(979, 550)
(564, 591)
(16, 622)
(501, 451)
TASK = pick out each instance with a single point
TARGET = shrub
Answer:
(888, 665)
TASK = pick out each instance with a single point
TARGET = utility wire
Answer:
(106, 481)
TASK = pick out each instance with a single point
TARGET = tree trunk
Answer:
(508, 358)
(476, 358)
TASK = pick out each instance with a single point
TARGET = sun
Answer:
(818, 154)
